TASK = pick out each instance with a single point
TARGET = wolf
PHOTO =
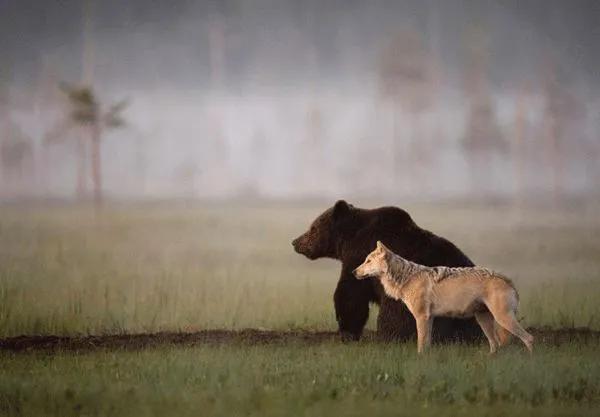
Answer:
(448, 292)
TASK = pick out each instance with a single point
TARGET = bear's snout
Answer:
(296, 243)
(302, 247)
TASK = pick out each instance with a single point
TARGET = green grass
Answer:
(149, 268)
(297, 379)
(63, 271)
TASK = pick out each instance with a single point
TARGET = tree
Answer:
(520, 150)
(483, 138)
(16, 149)
(406, 86)
(16, 155)
(561, 108)
(87, 112)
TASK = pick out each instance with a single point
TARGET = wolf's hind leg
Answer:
(502, 335)
(486, 321)
(503, 305)
(510, 323)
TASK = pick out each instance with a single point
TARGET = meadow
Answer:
(192, 266)
(296, 379)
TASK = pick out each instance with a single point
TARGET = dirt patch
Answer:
(546, 336)
(556, 337)
(148, 340)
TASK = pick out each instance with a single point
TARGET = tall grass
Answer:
(148, 268)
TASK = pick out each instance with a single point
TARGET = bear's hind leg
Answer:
(450, 329)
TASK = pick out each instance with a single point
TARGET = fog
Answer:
(297, 99)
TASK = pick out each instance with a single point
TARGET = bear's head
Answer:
(321, 239)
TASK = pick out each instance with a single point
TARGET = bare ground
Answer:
(245, 337)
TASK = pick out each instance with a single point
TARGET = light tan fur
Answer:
(452, 292)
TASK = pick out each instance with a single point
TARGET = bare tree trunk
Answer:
(555, 158)
(81, 167)
(519, 147)
(140, 163)
(396, 148)
(89, 53)
(216, 49)
(96, 165)
(3, 135)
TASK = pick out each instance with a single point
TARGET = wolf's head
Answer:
(376, 263)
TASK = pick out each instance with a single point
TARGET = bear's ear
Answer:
(340, 209)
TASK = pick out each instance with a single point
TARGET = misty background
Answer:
(299, 99)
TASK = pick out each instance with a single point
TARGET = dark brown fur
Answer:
(349, 234)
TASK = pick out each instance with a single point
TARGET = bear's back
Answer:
(396, 229)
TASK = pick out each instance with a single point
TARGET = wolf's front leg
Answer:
(424, 325)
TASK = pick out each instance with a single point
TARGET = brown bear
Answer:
(349, 234)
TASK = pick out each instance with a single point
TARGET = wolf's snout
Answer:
(355, 273)
(295, 242)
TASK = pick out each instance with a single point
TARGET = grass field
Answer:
(190, 267)
(298, 379)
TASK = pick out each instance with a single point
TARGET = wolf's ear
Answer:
(382, 247)
(340, 209)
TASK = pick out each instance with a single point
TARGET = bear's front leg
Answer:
(351, 301)
(394, 323)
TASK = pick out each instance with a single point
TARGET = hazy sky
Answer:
(156, 44)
